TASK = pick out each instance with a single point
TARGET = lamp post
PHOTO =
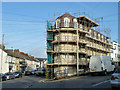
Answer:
(77, 53)
(2, 51)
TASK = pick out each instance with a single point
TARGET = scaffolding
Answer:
(49, 69)
(55, 58)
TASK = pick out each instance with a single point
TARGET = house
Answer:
(115, 53)
(4, 65)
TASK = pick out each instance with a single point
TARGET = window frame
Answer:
(58, 24)
(66, 56)
(58, 38)
(66, 38)
(66, 22)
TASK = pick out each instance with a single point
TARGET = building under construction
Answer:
(71, 38)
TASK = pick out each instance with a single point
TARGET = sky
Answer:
(24, 23)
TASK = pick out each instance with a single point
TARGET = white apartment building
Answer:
(4, 65)
(115, 53)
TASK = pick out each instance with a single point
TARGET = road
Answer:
(87, 81)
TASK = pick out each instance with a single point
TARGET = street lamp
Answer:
(77, 53)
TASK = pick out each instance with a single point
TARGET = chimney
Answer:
(10, 50)
(32, 57)
(26, 54)
(16, 50)
(22, 53)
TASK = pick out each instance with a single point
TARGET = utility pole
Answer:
(2, 51)
(77, 53)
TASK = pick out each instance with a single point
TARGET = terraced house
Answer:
(14, 60)
(62, 44)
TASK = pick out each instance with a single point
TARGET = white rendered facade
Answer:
(4, 65)
(115, 53)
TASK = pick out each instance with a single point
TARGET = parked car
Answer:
(40, 71)
(32, 72)
(10, 75)
(101, 64)
(7, 76)
(18, 74)
(115, 79)
(27, 72)
(35, 71)
(2, 77)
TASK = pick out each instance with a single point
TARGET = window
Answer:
(58, 24)
(66, 70)
(58, 37)
(75, 23)
(75, 37)
(119, 49)
(102, 38)
(112, 51)
(58, 56)
(105, 39)
(115, 55)
(66, 22)
(81, 26)
(75, 57)
(66, 56)
(91, 34)
(66, 38)
(99, 36)
(94, 34)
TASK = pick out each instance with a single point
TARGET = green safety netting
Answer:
(50, 58)
(50, 35)
(49, 45)
(49, 26)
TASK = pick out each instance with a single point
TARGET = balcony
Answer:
(108, 43)
(82, 50)
(64, 61)
(82, 62)
(65, 50)
(89, 53)
(72, 39)
(98, 47)
(80, 30)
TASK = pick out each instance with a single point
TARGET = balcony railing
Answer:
(65, 61)
(105, 42)
(65, 48)
(69, 39)
(69, 49)
(82, 50)
(98, 47)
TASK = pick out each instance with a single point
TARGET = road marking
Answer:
(100, 83)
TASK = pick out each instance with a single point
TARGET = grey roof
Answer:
(18, 54)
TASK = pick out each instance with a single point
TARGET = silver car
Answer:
(115, 79)
(40, 71)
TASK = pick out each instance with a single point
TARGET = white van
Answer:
(101, 64)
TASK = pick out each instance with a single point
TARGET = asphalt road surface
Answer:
(33, 81)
